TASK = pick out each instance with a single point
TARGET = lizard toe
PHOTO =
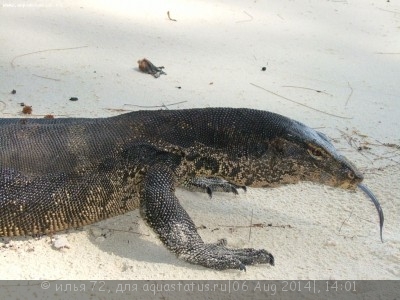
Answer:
(219, 257)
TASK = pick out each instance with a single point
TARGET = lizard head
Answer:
(289, 151)
(316, 159)
(266, 149)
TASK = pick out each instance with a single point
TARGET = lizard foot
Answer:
(220, 257)
(163, 212)
(211, 184)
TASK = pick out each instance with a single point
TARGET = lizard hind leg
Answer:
(211, 184)
(163, 212)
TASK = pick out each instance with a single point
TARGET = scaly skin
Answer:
(65, 173)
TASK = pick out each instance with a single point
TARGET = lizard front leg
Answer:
(163, 212)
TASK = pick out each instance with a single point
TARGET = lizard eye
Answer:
(350, 175)
(316, 152)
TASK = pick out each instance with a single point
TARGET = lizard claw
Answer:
(242, 267)
(213, 184)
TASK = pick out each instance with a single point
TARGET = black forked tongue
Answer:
(377, 205)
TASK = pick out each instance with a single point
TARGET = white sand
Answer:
(347, 50)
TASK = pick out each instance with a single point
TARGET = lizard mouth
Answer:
(348, 185)
(348, 182)
(347, 179)
(350, 176)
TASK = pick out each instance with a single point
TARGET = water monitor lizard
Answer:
(65, 173)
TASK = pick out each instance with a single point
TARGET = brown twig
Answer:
(48, 116)
(169, 17)
(120, 230)
(353, 142)
(155, 106)
(390, 145)
(377, 157)
(117, 109)
(351, 93)
(306, 88)
(41, 51)
(248, 20)
(377, 169)
(46, 77)
(346, 236)
(388, 10)
(340, 229)
(390, 53)
(144, 106)
(363, 145)
(258, 225)
(251, 224)
(298, 103)
(386, 155)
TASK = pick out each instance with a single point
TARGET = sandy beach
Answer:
(333, 65)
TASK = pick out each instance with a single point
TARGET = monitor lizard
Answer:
(65, 173)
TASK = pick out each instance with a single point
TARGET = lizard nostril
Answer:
(351, 175)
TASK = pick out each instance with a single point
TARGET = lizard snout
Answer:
(355, 175)
(351, 176)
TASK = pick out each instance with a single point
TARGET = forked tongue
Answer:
(377, 205)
